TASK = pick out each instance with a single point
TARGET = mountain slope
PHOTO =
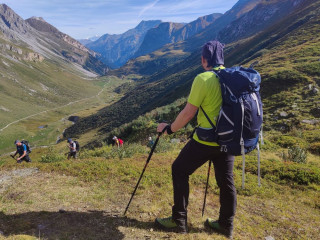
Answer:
(19, 31)
(70, 48)
(35, 76)
(88, 40)
(157, 37)
(246, 18)
(169, 32)
(163, 88)
(172, 53)
(116, 49)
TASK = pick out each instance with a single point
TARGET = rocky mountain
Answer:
(265, 14)
(46, 40)
(288, 53)
(41, 68)
(169, 32)
(69, 48)
(244, 19)
(88, 40)
(158, 37)
(175, 52)
(116, 49)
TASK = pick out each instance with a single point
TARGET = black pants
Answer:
(191, 157)
(72, 154)
(25, 158)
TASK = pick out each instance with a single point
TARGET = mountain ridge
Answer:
(169, 32)
(164, 87)
(225, 28)
(116, 49)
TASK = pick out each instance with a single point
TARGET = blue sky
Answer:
(87, 18)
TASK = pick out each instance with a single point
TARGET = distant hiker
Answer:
(205, 92)
(72, 148)
(150, 142)
(23, 151)
(117, 141)
(120, 142)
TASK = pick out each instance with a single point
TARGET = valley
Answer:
(124, 85)
(43, 128)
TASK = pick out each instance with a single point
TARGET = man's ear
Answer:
(203, 60)
(204, 63)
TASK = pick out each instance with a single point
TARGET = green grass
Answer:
(55, 117)
(95, 190)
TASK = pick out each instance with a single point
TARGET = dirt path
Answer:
(53, 109)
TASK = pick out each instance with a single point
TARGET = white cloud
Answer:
(149, 6)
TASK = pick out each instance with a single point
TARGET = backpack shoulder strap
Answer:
(216, 72)
(213, 126)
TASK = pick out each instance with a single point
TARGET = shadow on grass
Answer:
(69, 225)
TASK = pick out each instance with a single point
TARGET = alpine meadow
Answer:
(56, 90)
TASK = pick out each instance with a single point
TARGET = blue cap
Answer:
(212, 51)
(16, 141)
(69, 140)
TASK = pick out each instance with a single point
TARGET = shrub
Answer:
(284, 172)
(295, 154)
(290, 141)
(298, 174)
(310, 68)
(126, 151)
(315, 148)
(164, 145)
(113, 153)
(96, 152)
(51, 156)
(132, 149)
(282, 81)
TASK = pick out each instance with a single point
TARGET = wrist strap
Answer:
(168, 128)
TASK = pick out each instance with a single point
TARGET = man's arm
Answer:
(182, 119)
(22, 156)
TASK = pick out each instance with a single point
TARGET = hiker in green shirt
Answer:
(205, 92)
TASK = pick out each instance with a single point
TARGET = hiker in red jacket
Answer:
(118, 141)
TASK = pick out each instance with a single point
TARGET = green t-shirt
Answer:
(205, 91)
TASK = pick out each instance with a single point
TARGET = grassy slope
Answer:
(94, 192)
(54, 119)
(43, 94)
(39, 84)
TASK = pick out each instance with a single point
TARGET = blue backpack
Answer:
(239, 122)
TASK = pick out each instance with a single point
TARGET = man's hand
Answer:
(161, 126)
(182, 119)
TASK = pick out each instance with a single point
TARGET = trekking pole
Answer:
(145, 166)
(259, 174)
(205, 193)
(13, 157)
